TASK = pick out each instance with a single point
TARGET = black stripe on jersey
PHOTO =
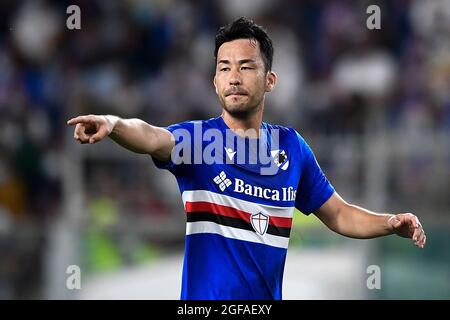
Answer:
(235, 223)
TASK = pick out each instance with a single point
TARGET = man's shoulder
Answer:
(191, 124)
(284, 131)
(289, 133)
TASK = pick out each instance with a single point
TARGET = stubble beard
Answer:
(241, 111)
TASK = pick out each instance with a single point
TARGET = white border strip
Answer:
(236, 233)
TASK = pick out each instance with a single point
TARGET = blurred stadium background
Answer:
(374, 106)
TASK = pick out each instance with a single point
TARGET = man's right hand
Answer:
(133, 134)
(91, 128)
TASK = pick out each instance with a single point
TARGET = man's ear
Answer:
(271, 81)
(215, 85)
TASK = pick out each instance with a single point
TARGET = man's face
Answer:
(241, 79)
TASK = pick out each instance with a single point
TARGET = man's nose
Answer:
(235, 78)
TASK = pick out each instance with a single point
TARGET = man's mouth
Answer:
(236, 93)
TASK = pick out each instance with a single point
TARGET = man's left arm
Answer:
(356, 222)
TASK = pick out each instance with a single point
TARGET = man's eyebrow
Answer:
(246, 61)
(240, 61)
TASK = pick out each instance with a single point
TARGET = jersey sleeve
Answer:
(313, 189)
(181, 155)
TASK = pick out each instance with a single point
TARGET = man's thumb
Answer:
(396, 222)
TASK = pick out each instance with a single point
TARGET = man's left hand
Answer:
(408, 225)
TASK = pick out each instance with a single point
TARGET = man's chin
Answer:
(239, 111)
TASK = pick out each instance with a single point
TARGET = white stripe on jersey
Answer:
(247, 206)
(236, 233)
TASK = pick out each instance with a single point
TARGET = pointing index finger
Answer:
(79, 119)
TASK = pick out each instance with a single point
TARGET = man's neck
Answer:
(246, 127)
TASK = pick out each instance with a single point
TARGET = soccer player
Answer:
(238, 216)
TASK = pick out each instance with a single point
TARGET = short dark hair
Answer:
(244, 28)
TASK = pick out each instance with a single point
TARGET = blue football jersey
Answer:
(238, 216)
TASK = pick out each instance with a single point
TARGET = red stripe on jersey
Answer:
(203, 206)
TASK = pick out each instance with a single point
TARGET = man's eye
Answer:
(247, 68)
(224, 69)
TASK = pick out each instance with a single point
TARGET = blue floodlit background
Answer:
(373, 104)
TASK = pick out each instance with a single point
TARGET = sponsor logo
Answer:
(285, 194)
(240, 186)
(222, 181)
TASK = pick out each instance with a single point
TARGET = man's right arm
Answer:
(133, 134)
